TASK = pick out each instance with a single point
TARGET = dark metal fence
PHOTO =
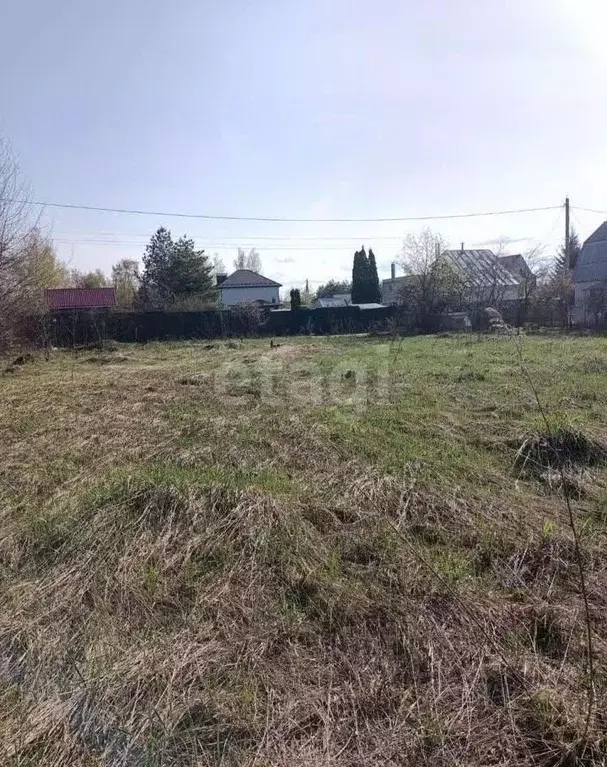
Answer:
(78, 328)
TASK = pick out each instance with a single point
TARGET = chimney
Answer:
(221, 278)
(393, 271)
(463, 247)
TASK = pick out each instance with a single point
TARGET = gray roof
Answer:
(516, 265)
(407, 279)
(480, 268)
(245, 278)
(600, 235)
(592, 262)
(330, 301)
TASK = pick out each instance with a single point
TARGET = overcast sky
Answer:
(315, 109)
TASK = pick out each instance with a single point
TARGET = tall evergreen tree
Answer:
(374, 292)
(295, 299)
(173, 270)
(575, 249)
(156, 259)
(360, 277)
(190, 270)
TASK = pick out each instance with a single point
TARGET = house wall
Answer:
(391, 291)
(580, 313)
(234, 296)
(513, 292)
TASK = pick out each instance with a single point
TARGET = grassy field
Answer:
(324, 551)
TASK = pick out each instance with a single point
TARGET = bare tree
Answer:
(433, 287)
(250, 260)
(545, 291)
(39, 268)
(18, 230)
(218, 265)
(126, 279)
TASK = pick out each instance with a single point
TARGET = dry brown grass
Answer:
(191, 582)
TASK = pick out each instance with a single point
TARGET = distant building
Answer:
(590, 279)
(338, 299)
(245, 287)
(518, 267)
(484, 276)
(393, 290)
(63, 299)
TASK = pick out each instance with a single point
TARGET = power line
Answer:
(207, 245)
(576, 220)
(240, 239)
(590, 210)
(281, 220)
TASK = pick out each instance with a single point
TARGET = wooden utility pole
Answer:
(567, 235)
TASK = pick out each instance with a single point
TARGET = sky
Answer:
(326, 109)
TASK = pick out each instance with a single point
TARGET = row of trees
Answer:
(333, 287)
(174, 272)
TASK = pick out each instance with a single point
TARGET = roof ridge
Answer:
(241, 278)
(599, 234)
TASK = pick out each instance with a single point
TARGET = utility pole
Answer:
(567, 235)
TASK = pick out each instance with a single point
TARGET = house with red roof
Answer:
(75, 299)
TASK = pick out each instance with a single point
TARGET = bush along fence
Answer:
(80, 328)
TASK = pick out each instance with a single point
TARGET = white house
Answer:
(590, 279)
(247, 287)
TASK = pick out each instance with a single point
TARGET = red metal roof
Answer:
(80, 298)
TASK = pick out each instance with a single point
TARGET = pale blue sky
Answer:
(328, 108)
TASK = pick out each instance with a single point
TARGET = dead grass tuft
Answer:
(564, 447)
(110, 359)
